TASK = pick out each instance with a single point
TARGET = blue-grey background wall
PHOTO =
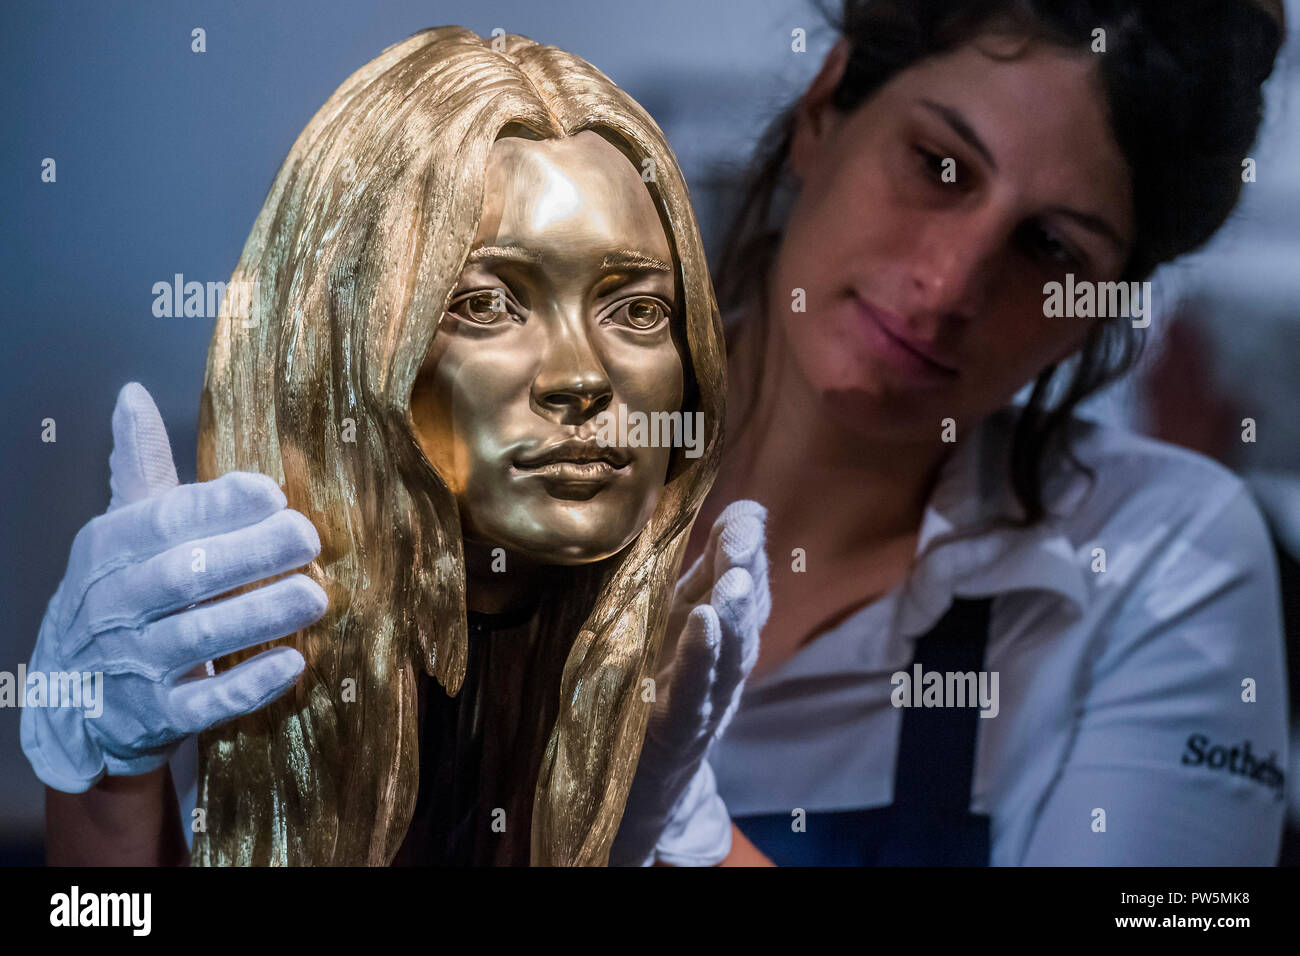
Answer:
(164, 157)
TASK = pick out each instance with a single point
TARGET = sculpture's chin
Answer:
(558, 524)
(569, 553)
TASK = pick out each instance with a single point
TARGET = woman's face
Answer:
(925, 297)
(564, 310)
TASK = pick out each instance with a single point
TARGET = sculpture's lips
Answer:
(583, 453)
(572, 479)
(573, 468)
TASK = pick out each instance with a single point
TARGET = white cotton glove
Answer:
(673, 812)
(126, 607)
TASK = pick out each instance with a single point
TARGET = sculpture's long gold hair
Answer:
(355, 253)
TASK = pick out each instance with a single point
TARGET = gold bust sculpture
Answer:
(475, 249)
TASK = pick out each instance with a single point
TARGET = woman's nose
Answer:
(571, 384)
(952, 267)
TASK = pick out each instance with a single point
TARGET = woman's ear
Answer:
(814, 116)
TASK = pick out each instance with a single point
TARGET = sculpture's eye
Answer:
(642, 314)
(483, 306)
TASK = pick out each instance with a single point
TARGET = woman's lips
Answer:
(905, 355)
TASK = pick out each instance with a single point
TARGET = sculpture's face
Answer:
(564, 310)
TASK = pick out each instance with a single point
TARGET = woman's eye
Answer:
(1045, 245)
(941, 169)
(641, 314)
(484, 307)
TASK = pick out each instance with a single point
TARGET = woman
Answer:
(886, 288)
(544, 281)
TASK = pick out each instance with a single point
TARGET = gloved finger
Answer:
(691, 590)
(695, 583)
(740, 542)
(141, 464)
(137, 532)
(743, 546)
(200, 569)
(733, 600)
(246, 687)
(735, 537)
(684, 718)
(179, 641)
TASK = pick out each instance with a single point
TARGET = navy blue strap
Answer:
(936, 746)
(929, 823)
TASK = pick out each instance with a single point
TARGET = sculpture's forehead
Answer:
(576, 188)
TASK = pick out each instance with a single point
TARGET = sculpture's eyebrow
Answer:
(504, 254)
(629, 261)
(622, 260)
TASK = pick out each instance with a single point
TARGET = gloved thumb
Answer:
(141, 464)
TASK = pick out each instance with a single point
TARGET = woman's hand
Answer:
(673, 813)
(129, 608)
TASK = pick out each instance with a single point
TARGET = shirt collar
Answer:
(962, 550)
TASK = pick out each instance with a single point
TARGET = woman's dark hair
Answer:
(1182, 85)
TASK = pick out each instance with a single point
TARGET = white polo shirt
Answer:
(1153, 690)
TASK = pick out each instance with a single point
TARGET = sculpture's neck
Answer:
(501, 584)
